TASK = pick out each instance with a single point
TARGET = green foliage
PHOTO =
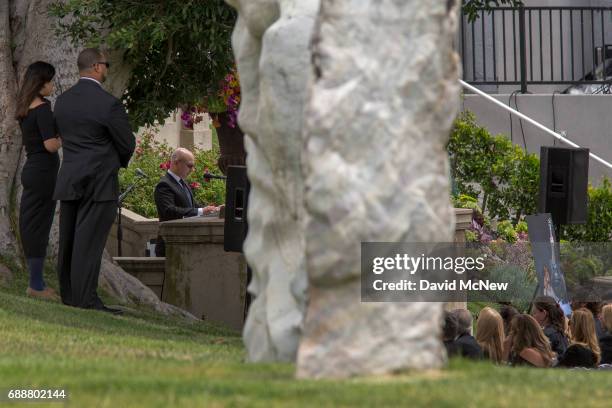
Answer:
(581, 262)
(466, 201)
(506, 231)
(599, 223)
(521, 227)
(521, 282)
(471, 236)
(503, 177)
(180, 50)
(149, 156)
(471, 7)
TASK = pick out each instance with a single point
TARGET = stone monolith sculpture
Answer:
(270, 41)
(384, 94)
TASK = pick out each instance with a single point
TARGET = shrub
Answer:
(599, 223)
(497, 179)
(153, 158)
(506, 231)
(503, 178)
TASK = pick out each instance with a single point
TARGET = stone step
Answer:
(149, 270)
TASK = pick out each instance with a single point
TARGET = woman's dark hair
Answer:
(36, 76)
(507, 312)
(553, 310)
(594, 307)
(527, 333)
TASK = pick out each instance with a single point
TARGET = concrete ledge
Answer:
(195, 230)
(137, 231)
(463, 220)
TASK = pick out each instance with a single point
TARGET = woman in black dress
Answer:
(39, 173)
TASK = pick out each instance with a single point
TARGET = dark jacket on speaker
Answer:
(172, 203)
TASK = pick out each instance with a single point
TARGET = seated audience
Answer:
(490, 334)
(507, 312)
(595, 309)
(173, 196)
(584, 348)
(549, 315)
(526, 344)
(605, 341)
(465, 343)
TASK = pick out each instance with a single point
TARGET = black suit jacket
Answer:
(97, 140)
(467, 346)
(172, 204)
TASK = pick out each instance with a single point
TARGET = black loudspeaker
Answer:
(564, 174)
(236, 202)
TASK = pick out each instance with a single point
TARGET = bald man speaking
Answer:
(173, 196)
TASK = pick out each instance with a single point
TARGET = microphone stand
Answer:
(120, 206)
(210, 176)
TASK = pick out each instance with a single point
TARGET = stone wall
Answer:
(137, 231)
(173, 133)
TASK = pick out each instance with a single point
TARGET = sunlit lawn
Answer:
(143, 360)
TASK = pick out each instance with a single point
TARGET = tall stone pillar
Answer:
(270, 41)
(384, 94)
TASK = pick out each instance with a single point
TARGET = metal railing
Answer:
(536, 45)
(526, 118)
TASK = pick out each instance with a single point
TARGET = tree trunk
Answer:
(10, 138)
(27, 34)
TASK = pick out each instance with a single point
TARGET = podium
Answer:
(200, 276)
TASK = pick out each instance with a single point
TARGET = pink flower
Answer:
(165, 165)
(195, 185)
(206, 174)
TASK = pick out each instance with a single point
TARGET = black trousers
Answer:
(84, 228)
(37, 205)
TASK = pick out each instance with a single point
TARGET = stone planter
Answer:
(200, 276)
(231, 144)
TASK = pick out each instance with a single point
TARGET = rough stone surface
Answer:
(130, 290)
(384, 95)
(270, 42)
(6, 276)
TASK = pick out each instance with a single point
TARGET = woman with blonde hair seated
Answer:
(605, 341)
(526, 344)
(584, 348)
(490, 334)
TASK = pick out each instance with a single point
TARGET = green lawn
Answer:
(143, 360)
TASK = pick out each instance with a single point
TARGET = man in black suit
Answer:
(173, 196)
(465, 344)
(98, 141)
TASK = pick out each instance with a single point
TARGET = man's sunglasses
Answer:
(104, 63)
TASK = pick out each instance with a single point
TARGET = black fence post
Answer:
(523, 48)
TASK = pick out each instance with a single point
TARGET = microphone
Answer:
(141, 173)
(209, 176)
